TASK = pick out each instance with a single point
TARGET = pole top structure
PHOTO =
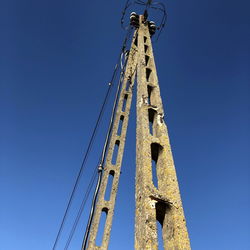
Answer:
(147, 8)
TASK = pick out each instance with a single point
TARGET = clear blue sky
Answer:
(56, 58)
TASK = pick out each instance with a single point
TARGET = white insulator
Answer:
(133, 14)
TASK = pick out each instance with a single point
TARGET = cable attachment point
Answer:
(100, 168)
(126, 54)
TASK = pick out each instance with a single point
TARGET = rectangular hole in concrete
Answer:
(154, 173)
(145, 48)
(148, 73)
(151, 117)
(115, 152)
(161, 210)
(146, 60)
(119, 130)
(150, 89)
(136, 40)
(145, 39)
(128, 85)
(155, 154)
(101, 227)
(124, 102)
(109, 185)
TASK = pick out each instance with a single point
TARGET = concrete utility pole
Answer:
(157, 192)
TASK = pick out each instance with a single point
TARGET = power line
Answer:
(81, 209)
(100, 167)
(82, 167)
(89, 146)
(85, 157)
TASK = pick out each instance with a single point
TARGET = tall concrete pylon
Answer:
(157, 192)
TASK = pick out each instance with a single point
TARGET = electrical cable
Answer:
(162, 8)
(116, 99)
(89, 188)
(100, 173)
(124, 12)
(100, 167)
(83, 162)
(89, 147)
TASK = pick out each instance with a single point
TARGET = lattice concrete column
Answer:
(157, 192)
(114, 155)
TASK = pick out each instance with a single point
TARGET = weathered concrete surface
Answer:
(160, 203)
(114, 169)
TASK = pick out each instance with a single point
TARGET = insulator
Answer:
(134, 19)
(152, 28)
(133, 15)
(151, 23)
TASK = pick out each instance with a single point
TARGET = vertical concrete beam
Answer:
(122, 113)
(161, 202)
